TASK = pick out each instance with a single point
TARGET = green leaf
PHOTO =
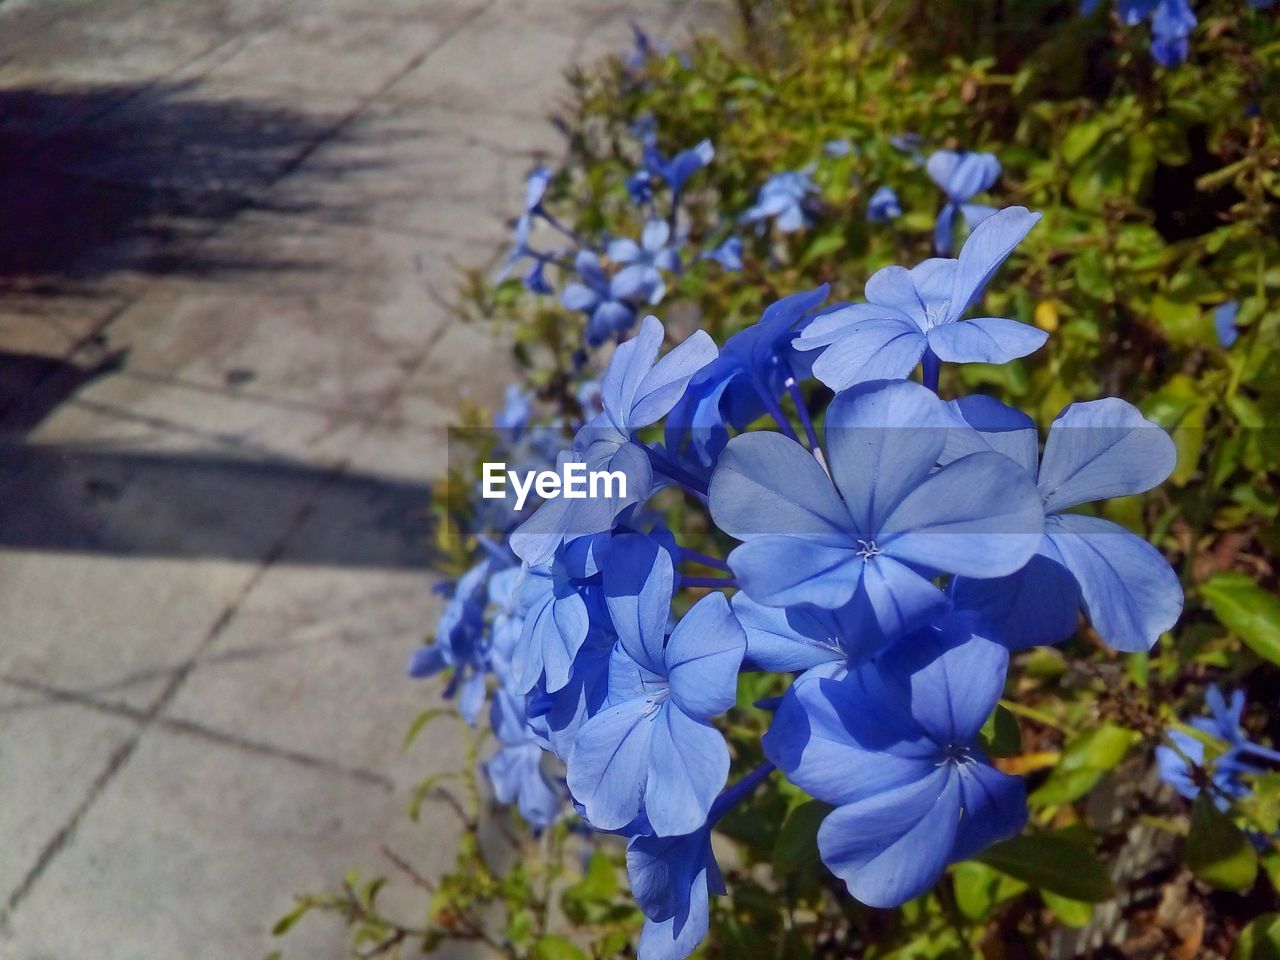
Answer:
(1217, 851)
(1247, 610)
(1083, 763)
(797, 843)
(589, 900)
(556, 948)
(1073, 913)
(285, 923)
(1060, 863)
(1260, 940)
(1001, 735)
(979, 888)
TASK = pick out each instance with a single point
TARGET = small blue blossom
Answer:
(643, 263)
(894, 747)
(1224, 324)
(783, 199)
(1095, 450)
(883, 522)
(917, 313)
(1177, 766)
(652, 747)
(837, 148)
(883, 206)
(513, 418)
(515, 771)
(728, 254)
(962, 176)
(676, 171)
(600, 297)
(460, 642)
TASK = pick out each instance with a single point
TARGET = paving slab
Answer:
(51, 753)
(228, 837)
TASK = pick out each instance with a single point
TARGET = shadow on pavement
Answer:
(85, 499)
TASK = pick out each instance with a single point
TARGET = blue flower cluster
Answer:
(888, 563)
(1171, 24)
(1187, 767)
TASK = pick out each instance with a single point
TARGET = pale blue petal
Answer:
(953, 679)
(1040, 604)
(1130, 592)
(577, 297)
(830, 327)
(892, 287)
(900, 599)
(688, 764)
(638, 582)
(843, 740)
(623, 250)
(664, 384)
(975, 213)
(1100, 449)
(882, 439)
(983, 253)
(610, 763)
(993, 807)
(786, 639)
(655, 235)
(997, 427)
(767, 483)
(629, 365)
(780, 570)
(884, 349)
(979, 517)
(985, 340)
(892, 847)
(944, 229)
(703, 657)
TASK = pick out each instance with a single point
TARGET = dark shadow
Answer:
(128, 503)
(126, 177)
(32, 385)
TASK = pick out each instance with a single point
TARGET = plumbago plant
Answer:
(880, 651)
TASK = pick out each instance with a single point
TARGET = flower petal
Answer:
(844, 740)
(882, 439)
(986, 249)
(1103, 448)
(1040, 604)
(995, 426)
(639, 579)
(780, 570)
(610, 763)
(993, 807)
(892, 847)
(985, 340)
(882, 349)
(765, 483)
(978, 517)
(688, 764)
(786, 639)
(1130, 592)
(703, 657)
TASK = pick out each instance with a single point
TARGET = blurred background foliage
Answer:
(1161, 202)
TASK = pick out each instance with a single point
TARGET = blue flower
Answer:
(671, 879)
(962, 176)
(600, 298)
(676, 171)
(752, 370)
(640, 187)
(1224, 323)
(913, 311)
(1171, 27)
(894, 747)
(837, 148)
(460, 643)
(513, 418)
(652, 747)
(637, 392)
(805, 639)
(643, 262)
(515, 771)
(883, 206)
(1095, 450)
(783, 198)
(535, 280)
(728, 254)
(884, 522)
(555, 624)
(642, 48)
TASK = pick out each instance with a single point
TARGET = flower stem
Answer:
(775, 411)
(681, 476)
(1261, 752)
(711, 583)
(704, 559)
(739, 791)
(802, 410)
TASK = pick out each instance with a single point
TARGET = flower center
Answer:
(958, 753)
(868, 549)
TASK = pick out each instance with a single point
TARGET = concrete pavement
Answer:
(226, 230)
